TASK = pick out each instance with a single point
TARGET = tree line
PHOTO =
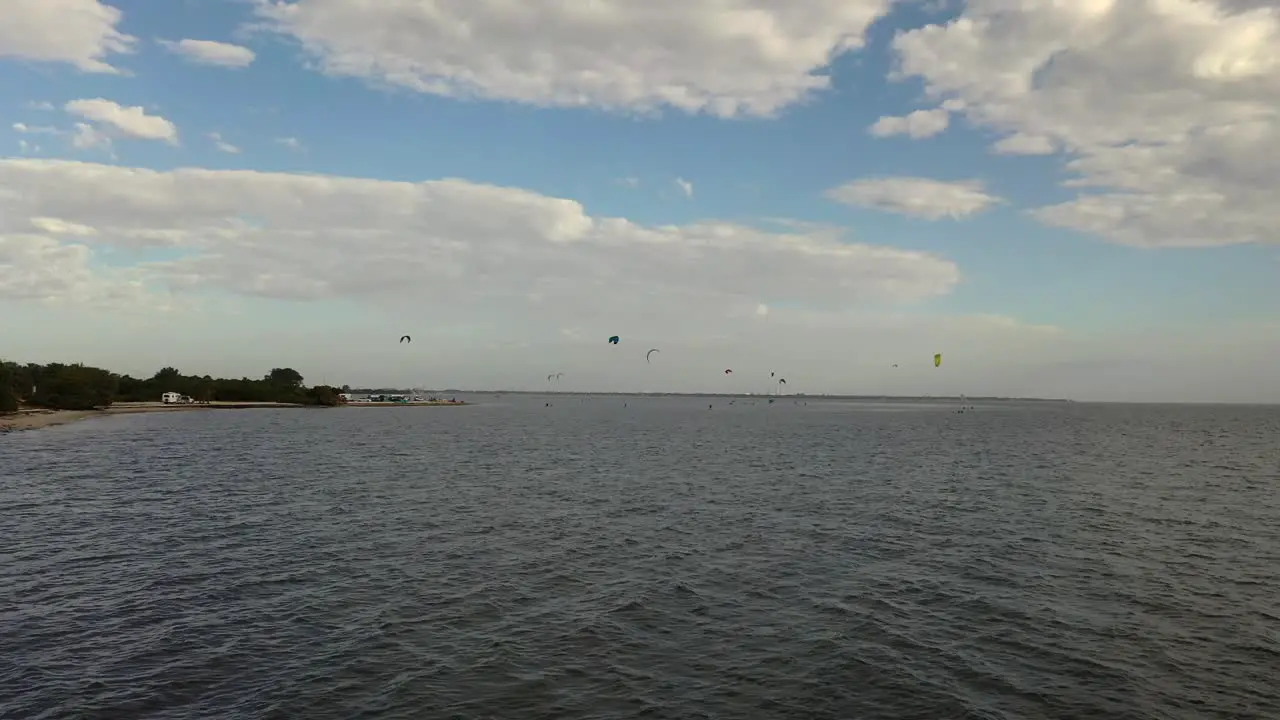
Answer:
(59, 386)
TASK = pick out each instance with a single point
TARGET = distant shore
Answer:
(36, 418)
(788, 396)
(420, 403)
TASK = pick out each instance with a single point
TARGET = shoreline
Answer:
(424, 403)
(37, 418)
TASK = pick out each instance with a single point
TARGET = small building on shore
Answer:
(388, 398)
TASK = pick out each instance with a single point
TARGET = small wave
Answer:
(665, 564)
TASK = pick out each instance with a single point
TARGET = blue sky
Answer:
(1170, 257)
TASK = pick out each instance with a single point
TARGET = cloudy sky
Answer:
(1069, 199)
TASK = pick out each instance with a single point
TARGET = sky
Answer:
(1066, 199)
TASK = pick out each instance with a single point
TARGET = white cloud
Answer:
(1168, 109)
(500, 286)
(631, 182)
(919, 124)
(292, 143)
(685, 186)
(222, 144)
(448, 256)
(79, 32)
(87, 137)
(752, 57)
(55, 226)
(41, 268)
(211, 52)
(917, 197)
(114, 119)
(1020, 144)
(90, 137)
(34, 129)
(454, 346)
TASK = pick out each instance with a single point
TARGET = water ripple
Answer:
(658, 560)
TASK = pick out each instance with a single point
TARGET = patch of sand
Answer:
(34, 418)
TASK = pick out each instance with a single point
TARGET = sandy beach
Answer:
(35, 418)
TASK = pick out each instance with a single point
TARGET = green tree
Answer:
(25, 379)
(322, 395)
(75, 387)
(169, 379)
(207, 389)
(62, 386)
(285, 385)
(132, 389)
(285, 378)
(167, 375)
(8, 396)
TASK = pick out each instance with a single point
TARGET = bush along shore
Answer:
(33, 395)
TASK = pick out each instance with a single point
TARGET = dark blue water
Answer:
(659, 560)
